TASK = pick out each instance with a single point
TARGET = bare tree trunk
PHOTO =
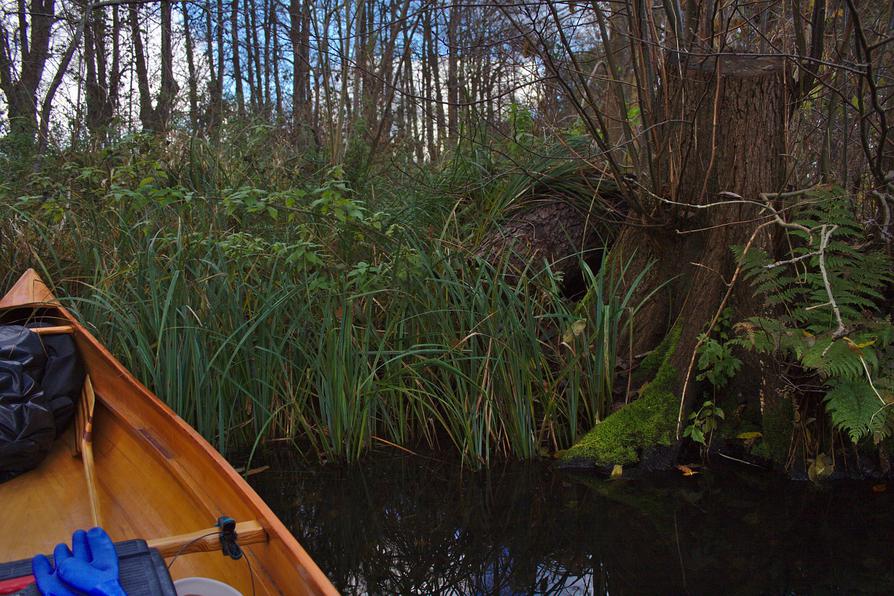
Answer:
(147, 113)
(253, 103)
(325, 95)
(169, 86)
(218, 88)
(191, 69)
(309, 118)
(268, 30)
(116, 70)
(20, 85)
(361, 65)
(277, 87)
(453, 74)
(434, 58)
(237, 64)
(213, 81)
(261, 102)
(299, 100)
(388, 79)
(99, 82)
(429, 64)
(345, 115)
(299, 33)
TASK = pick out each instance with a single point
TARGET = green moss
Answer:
(648, 368)
(650, 420)
(778, 428)
(660, 354)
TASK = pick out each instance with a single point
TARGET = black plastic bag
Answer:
(40, 378)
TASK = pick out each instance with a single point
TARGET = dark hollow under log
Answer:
(553, 233)
(556, 231)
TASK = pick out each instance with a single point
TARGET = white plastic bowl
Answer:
(202, 586)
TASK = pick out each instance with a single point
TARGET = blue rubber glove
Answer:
(48, 581)
(93, 569)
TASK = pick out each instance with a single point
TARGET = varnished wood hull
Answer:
(156, 477)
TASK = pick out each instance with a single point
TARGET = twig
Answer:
(825, 235)
(766, 196)
(792, 261)
(871, 385)
(741, 461)
(885, 226)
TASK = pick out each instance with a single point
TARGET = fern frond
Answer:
(856, 409)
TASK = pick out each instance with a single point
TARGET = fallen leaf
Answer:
(820, 468)
(575, 330)
(617, 471)
(879, 488)
(687, 471)
(857, 347)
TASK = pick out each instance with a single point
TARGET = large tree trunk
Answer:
(715, 165)
(712, 156)
(738, 149)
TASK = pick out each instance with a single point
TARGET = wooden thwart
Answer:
(208, 540)
(57, 330)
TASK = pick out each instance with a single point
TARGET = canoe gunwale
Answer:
(197, 467)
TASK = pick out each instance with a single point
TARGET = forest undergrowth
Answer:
(265, 295)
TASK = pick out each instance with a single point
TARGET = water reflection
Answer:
(403, 525)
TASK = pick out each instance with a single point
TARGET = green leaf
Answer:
(750, 435)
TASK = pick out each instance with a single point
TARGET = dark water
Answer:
(405, 525)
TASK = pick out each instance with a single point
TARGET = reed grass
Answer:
(375, 333)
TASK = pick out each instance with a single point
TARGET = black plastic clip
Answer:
(228, 545)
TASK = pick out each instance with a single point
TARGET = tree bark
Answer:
(277, 91)
(213, 81)
(250, 51)
(169, 87)
(191, 69)
(740, 149)
(237, 64)
(726, 123)
(20, 84)
(147, 113)
(299, 34)
(453, 74)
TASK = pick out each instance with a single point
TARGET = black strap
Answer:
(228, 545)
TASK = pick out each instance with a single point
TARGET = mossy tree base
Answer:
(647, 422)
